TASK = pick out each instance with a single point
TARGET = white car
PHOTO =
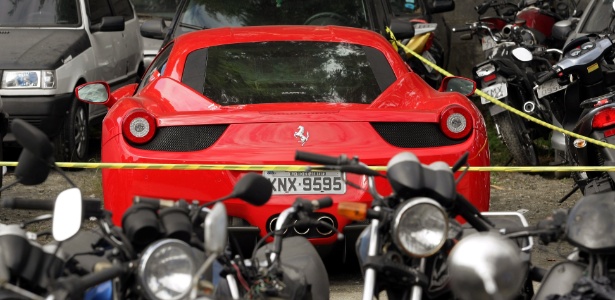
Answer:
(50, 47)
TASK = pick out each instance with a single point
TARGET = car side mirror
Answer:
(93, 92)
(440, 6)
(109, 24)
(462, 85)
(154, 29)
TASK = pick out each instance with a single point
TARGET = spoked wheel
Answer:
(516, 138)
(72, 144)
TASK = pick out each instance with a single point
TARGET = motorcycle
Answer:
(485, 266)
(424, 43)
(585, 107)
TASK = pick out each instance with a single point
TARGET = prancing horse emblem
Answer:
(299, 134)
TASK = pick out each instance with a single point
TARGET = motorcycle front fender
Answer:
(560, 279)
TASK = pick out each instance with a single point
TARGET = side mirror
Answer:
(402, 29)
(67, 215)
(252, 188)
(108, 24)
(462, 85)
(577, 13)
(522, 54)
(93, 92)
(154, 29)
(440, 6)
(561, 30)
(215, 229)
(486, 266)
(37, 155)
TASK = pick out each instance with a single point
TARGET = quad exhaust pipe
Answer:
(322, 230)
(529, 107)
(325, 230)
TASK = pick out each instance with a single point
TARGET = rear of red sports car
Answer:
(255, 95)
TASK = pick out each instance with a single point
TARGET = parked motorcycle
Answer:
(484, 266)
(586, 107)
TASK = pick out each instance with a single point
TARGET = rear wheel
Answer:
(516, 138)
(72, 143)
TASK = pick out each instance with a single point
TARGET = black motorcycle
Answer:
(586, 107)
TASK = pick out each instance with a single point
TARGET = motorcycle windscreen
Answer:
(591, 221)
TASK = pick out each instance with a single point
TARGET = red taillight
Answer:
(604, 118)
(139, 126)
(456, 122)
(490, 77)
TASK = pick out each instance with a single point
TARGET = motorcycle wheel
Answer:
(520, 146)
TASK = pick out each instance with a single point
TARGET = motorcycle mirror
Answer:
(94, 92)
(486, 266)
(67, 215)
(252, 188)
(215, 229)
(37, 155)
(461, 85)
(522, 54)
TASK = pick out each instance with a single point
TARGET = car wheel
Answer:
(72, 143)
(515, 137)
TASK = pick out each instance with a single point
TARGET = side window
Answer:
(122, 8)
(157, 67)
(97, 9)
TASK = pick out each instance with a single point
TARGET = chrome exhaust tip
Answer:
(325, 230)
(272, 225)
(529, 107)
(301, 230)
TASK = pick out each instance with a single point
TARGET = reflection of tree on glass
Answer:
(38, 13)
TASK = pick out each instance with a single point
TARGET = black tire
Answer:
(72, 143)
(516, 138)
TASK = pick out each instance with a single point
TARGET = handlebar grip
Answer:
(75, 286)
(317, 158)
(24, 203)
(463, 28)
(157, 203)
(544, 78)
(314, 205)
(92, 208)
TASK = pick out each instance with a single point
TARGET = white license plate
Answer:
(497, 91)
(430, 58)
(314, 182)
(487, 42)
(421, 28)
(549, 88)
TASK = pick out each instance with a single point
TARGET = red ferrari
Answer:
(255, 95)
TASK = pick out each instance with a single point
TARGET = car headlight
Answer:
(420, 227)
(166, 269)
(34, 79)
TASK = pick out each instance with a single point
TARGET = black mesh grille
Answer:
(414, 135)
(184, 138)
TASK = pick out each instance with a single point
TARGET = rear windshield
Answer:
(287, 72)
(599, 18)
(199, 14)
(39, 13)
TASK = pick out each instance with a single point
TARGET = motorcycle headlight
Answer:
(166, 269)
(420, 227)
(36, 79)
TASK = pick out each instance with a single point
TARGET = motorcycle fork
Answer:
(369, 286)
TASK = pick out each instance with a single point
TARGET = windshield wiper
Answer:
(192, 26)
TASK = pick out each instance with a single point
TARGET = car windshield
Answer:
(199, 14)
(406, 7)
(599, 18)
(283, 72)
(164, 9)
(39, 13)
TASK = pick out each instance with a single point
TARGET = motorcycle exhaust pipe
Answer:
(325, 230)
(529, 107)
(301, 230)
(272, 225)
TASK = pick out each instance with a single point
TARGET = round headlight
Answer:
(166, 270)
(420, 227)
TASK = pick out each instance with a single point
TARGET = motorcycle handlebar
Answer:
(464, 28)
(483, 7)
(25, 203)
(313, 205)
(75, 286)
(320, 159)
(544, 78)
